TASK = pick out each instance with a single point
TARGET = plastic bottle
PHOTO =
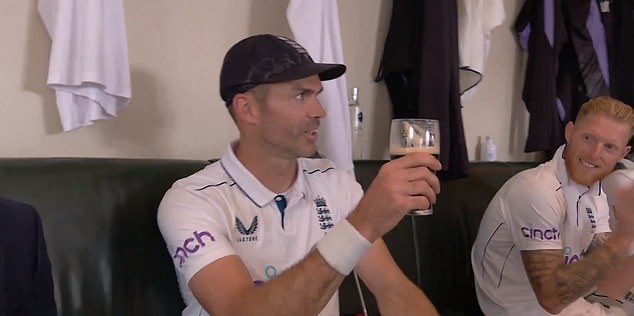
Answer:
(489, 150)
(356, 125)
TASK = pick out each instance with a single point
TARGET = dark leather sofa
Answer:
(108, 257)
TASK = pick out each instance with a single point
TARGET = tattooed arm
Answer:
(556, 284)
(618, 280)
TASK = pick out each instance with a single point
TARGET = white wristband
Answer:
(343, 247)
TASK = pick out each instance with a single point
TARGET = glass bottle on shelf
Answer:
(356, 125)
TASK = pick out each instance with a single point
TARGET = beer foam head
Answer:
(400, 151)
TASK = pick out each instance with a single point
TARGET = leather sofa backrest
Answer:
(444, 239)
(99, 218)
(108, 257)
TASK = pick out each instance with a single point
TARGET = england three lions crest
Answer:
(323, 214)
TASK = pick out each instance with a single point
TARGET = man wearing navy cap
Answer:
(267, 231)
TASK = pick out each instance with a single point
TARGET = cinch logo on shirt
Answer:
(270, 271)
(541, 234)
(247, 232)
(323, 214)
(191, 245)
(569, 257)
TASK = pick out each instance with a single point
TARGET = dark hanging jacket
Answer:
(567, 65)
(543, 42)
(420, 68)
(586, 55)
(619, 22)
(619, 28)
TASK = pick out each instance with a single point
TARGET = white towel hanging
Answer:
(88, 66)
(315, 25)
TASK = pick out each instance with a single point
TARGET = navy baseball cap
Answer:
(269, 58)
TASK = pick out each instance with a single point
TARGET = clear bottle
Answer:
(356, 125)
(489, 150)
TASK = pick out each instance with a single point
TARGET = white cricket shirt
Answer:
(224, 210)
(539, 208)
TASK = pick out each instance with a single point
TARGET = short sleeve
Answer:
(536, 216)
(194, 236)
(354, 193)
(617, 179)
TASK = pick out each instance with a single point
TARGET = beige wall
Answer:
(175, 53)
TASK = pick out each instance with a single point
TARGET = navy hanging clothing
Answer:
(420, 68)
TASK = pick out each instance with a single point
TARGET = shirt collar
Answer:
(252, 187)
(565, 180)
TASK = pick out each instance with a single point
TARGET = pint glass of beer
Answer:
(409, 135)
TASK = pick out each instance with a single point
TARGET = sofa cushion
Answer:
(99, 216)
(108, 257)
(444, 239)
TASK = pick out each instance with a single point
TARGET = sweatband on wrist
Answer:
(343, 247)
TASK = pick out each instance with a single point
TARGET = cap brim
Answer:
(324, 71)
